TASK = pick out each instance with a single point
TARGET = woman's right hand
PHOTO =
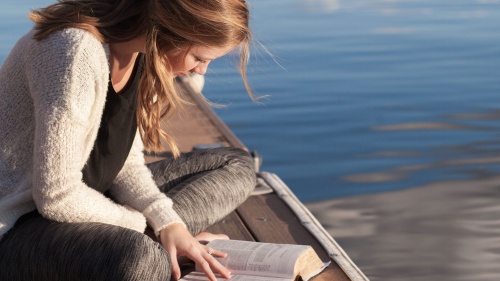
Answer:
(179, 242)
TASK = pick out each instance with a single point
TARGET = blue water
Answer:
(371, 103)
(346, 72)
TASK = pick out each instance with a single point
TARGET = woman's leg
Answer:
(43, 250)
(206, 185)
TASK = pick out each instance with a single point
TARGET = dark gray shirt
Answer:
(116, 133)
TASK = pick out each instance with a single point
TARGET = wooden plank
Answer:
(190, 127)
(269, 219)
(232, 226)
(226, 134)
(196, 124)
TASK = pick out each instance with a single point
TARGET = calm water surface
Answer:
(383, 116)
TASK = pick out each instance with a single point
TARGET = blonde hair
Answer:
(168, 25)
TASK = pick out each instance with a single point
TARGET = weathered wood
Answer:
(191, 127)
(226, 134)
(232, 226)
(269, 219)
(197, 124)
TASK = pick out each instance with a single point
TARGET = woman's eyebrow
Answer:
(202, 58)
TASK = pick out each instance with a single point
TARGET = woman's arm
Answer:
(134, 186)
(68, 76)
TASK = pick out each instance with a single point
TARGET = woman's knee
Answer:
(144, 260)
(241, 163)
(226, 166)
(84, 251)
(124, 254)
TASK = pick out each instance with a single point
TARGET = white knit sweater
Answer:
(52, 95)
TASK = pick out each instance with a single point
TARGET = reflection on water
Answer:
(470, 158)
(445, 230)
(322, 5)
(442, 230)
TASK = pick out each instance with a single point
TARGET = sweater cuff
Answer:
(160, 214)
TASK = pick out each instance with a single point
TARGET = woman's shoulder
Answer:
(73, 34)
(67, 49)
(71, 40)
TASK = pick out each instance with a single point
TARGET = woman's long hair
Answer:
(168, 25)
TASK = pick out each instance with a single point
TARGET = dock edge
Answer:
(308, 220)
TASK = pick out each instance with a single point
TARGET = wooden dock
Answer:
(273, 214)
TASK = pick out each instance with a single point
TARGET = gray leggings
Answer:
(205, 186)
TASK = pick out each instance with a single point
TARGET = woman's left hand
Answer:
(179, 242)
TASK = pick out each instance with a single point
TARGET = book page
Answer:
(309, 264)
(259, 259)
(311, 274)
(200, 276)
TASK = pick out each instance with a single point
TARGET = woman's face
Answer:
(195, 59)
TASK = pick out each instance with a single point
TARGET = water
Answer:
(367, 87)
(382, 116)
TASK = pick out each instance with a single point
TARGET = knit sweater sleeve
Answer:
(68, 74)
(134, 186)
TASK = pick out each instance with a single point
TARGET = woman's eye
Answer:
(200, 60)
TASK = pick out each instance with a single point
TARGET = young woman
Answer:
(82, 96)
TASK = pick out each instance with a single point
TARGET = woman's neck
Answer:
(122, 59)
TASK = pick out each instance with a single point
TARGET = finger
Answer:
(222, 236)
(176, 270)
(214, 263)
(209, 250)
(205, 237)
(203, 262)
(217, 253)
(217, 266)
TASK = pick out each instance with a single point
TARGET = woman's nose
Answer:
(201, 68)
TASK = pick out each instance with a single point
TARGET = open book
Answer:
(255, 261)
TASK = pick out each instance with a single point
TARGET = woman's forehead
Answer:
(210, 53)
